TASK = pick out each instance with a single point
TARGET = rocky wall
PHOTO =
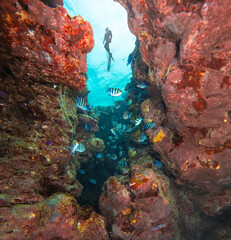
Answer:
(42, 68)
(186, 47)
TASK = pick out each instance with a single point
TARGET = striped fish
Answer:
(159, 164)
(149, 125)
(81, 103)
(138, 121)
(115, 92)
(142, 138)
(80, 148)
(77, 147)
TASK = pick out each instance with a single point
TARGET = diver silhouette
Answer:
(107, 40)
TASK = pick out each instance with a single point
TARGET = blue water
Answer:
(102, 14)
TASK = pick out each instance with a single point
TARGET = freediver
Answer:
(107, 40)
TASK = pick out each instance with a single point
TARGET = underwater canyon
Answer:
(155, 164)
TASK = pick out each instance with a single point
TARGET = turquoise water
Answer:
(102, 14)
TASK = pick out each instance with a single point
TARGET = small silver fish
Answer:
(113, 146)
(113, 131)
(142, 85)
(127, 115)
(117, 105)
(112, 156)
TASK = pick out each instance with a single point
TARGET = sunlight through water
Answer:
(102, 14)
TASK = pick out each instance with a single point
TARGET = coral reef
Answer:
(171, 142)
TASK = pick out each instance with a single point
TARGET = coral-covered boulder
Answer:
(86, 119)
(143, 182)
(141, 207)
(58, 217)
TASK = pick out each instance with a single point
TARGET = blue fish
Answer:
(159, 164)
(138, 121)
(128, 128)
(48, 143)
(116, 137)
(81, 171)
(113, 146)
(142, 138)
(123, 162)
(80, 103)
(115, 92)
(129, 102)
(112, 156)
(93, 181)
(3, 94)
(121, 153)
(149, 125)
(87, 127)
(122, 129)
(99, 155)
(142, 85)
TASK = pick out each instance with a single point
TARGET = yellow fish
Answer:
(159, 136)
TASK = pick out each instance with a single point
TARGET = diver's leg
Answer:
(109, 64)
